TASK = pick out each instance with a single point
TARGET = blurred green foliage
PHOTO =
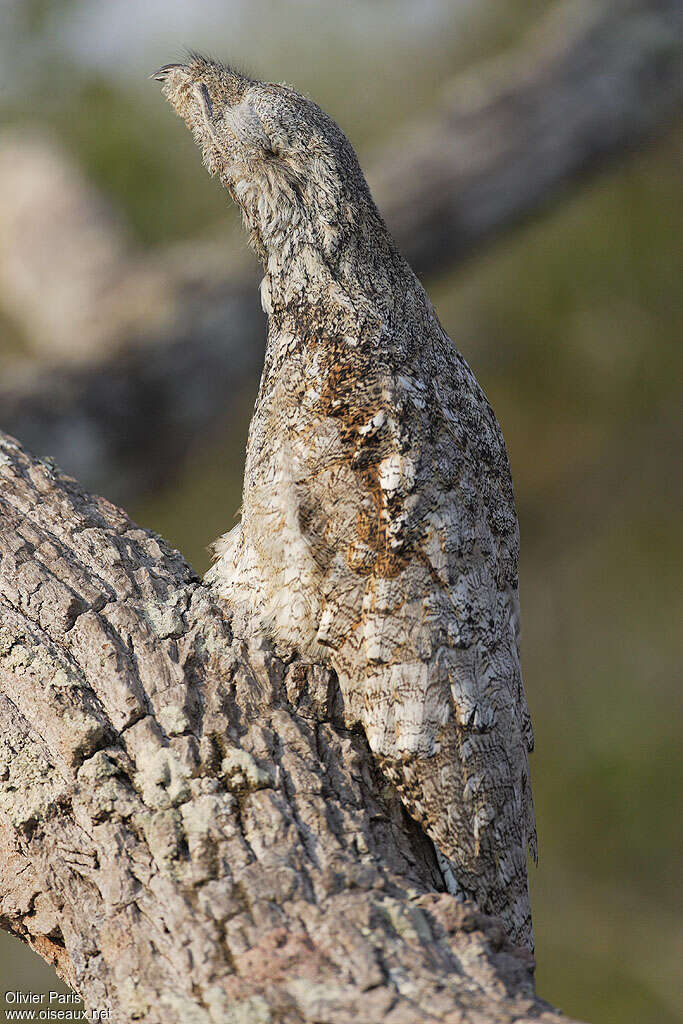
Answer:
(573, 325)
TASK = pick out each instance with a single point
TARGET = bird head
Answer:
(285, 162)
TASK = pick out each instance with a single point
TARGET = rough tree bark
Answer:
(187, 831)
(590, 82)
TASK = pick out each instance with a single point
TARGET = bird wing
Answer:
(409, 505)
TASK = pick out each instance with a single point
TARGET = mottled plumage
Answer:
(378, 526)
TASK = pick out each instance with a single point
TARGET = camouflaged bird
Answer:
(378, 528)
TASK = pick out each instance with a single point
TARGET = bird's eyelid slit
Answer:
(207, 99)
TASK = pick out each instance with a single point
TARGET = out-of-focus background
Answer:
(528, 156)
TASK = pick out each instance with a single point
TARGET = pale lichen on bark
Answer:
(187, 831)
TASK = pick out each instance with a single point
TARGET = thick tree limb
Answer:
(187, 831)
(170, 339)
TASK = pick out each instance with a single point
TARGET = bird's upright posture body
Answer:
(378, 526)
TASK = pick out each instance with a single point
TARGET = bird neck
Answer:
(298, 277)
(320, 258)
(354, 284)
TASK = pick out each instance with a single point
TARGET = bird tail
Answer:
(479, 825)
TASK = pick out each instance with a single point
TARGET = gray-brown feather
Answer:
(378, 525)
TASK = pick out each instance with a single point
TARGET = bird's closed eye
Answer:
(205, 99)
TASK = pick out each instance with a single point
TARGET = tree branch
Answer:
(589, 82)
(172, 338)
(138, 354)
(187, 831)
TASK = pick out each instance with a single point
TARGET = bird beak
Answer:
(162, 73)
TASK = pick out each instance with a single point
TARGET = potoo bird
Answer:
(378, 530)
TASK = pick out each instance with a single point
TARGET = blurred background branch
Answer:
(142, 354)
(590, 81)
